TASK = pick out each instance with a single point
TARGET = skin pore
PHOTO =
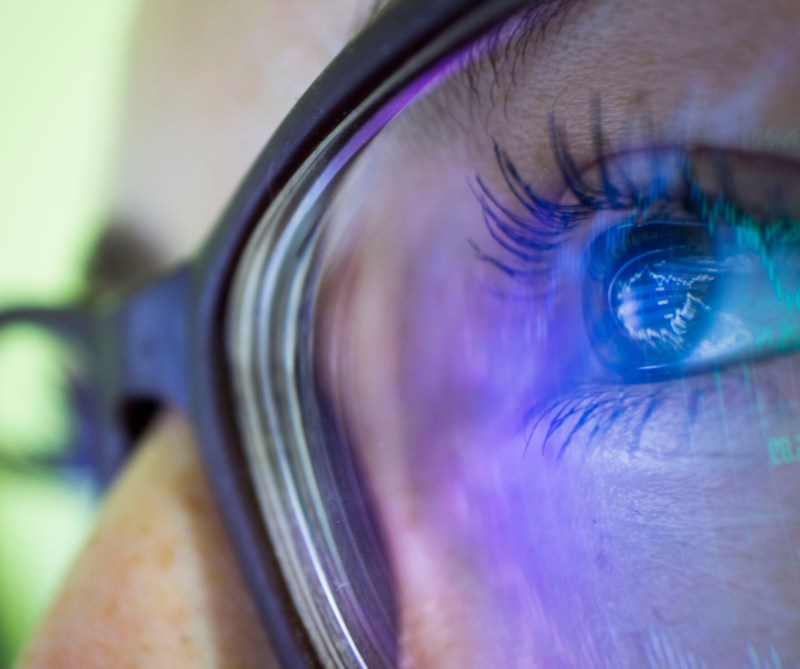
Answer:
(150, 591)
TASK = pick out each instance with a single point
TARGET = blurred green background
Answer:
(62, 71)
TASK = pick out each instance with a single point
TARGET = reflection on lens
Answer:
(551, 381)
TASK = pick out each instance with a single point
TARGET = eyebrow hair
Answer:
(526, 26)
(488, 69)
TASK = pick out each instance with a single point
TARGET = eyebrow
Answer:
(528, 28)
(518, 32)
(508, 44)
(488, 71)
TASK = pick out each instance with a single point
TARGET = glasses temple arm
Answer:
(135, 349)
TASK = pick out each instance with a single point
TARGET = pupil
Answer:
(660, 301)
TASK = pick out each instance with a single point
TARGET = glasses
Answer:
(151, 347)
(415, 362)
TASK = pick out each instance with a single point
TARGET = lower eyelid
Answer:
(730, 414)
(627, 418)
(585, 413)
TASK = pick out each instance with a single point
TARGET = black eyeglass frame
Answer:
(165, 343)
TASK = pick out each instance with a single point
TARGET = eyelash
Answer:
(600, 408)
(534, 238)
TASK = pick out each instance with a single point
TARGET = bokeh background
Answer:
(62, 74)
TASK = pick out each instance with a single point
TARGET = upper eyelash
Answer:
(533, 236)
(530, 238)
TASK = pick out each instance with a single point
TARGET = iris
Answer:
(649, 294)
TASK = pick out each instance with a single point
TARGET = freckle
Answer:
(110, 609)
(144, 529)
(166, 557)
(194, 503)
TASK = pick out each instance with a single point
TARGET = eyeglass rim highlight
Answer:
(406, 40)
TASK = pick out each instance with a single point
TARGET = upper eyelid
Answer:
(534, 236)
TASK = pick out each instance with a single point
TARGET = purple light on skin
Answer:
(617, 535)
(579, 557)
(573, 553)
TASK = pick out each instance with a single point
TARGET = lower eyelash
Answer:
(595, 409)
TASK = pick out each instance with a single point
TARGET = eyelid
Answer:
(752, 181)
(638, 185)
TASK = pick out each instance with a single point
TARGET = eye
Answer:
(668, 298)
(689, 258)
(565, 382)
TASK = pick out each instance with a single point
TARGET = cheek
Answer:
(683, 537)
(668, 527)
(665, 528)
(523, 561)
(157, 585)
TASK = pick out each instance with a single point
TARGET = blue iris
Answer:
(663, 299)
(649, 294)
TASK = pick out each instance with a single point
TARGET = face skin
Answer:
(667, 516)
(621, 546)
